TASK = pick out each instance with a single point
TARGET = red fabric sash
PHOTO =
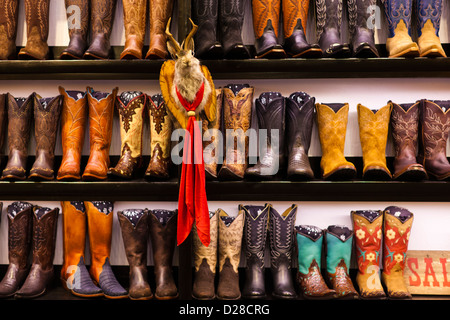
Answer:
(192, 202)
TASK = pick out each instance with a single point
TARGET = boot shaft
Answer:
(328, 16)
(405, 129)
(359, 14)
(134, 224)
(339, 245)
(20, 111)
(255, 233)
(101, 110)
(9, 15)
(281, 237)
(309, 248)
(293, 13)
(44, 236)
(78, 16)
(398, 12)
(102, 17)
(429, 10)
(163, 232)
(266, 16)
(20, 224)
(160, 12)
(231, 230)
(202, 254)
(37, 18)
(435, 125)
(46, 121)
(135, 19)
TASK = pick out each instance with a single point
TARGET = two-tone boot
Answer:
(212, 139)
(397, 228)
(373, 134)
(254, 245)
(237, 110)
(309, 275)
(134, 224)
(332, 125)
(46, 123)
(206, 16)
(41, 273)
(300, 114)
(19, 243)
(163, 233)
(9, 15)
(135, 22)
(399, 42)
(101, 111)
(339, 246)
(74, 113)
(78, 12)
(405, 133)
(429, 19)
(131, 106)
(368, 230)
(160, 12)
(160, 142)
(282, 244)
(20, 117)
(361, 33)
(231, 21)
(231, 230)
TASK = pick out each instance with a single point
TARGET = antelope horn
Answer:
(170, 37)
(191, 34)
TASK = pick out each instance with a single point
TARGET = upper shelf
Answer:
(228, 69)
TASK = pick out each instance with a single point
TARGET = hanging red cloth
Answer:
(192, 202)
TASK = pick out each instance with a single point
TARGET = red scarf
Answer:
(192, 202)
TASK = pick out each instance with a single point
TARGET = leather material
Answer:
(237, 109)
(135, 237)
(78, 28)
(135, 20)
(405, 133)
(332, 125)
(74, 114)
(46, 123)
(131, 106)
(367, 227)
(102, 19)
(211, 142)
(101, 112)
(43, 250)
(373, 134)
(300, 114)
(206, 16)
(160, 12)
(282, 244)
(3, 118)
(231, 15)
(9, 15)
(20, 111)
(254, 245)
(397, 228)
(161, 126)
(429, 16)
(362, 37)
(37, 20)
(163, 233)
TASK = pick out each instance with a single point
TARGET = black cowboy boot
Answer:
(232, 14)
(362, 37)
(205, 14)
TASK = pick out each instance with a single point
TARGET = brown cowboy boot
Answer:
(46, 121)
(73, 123)
(36, 15)
(134, 19)
(160, 12)
(211, 142)
(3, 119)
(78, 23)
(9, 15)
(131, 105)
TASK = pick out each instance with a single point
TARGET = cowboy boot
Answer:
(9, 15)
(205, 261)
(435, 127)
(300, 112)
(43, 249)
(332, 124)
(135, 20)
(339, 245)
(367, 227)
(230, 239)
(131, 105)
(19, 240)
(100, 220)
(163, 233)
(206, 14)
(134, 226)
(160, 12)
(405, 132)
(46, 121)
(212, 144)
(231, 21)
(282, 242)
(429, 15)
(270, 108)
(20, 112)
(309, 276)
(74, 273)
(73, 123)
(328, 28)
(101, 111)
(78, 22)
(295, 16)
(3, 119)
(160, 143)
(362, 37)
(373, 133)
(36, 16)
(254, 244)
(399, 42)
(397, 228)
(266, 19)
(237, 109)
(102, 19)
